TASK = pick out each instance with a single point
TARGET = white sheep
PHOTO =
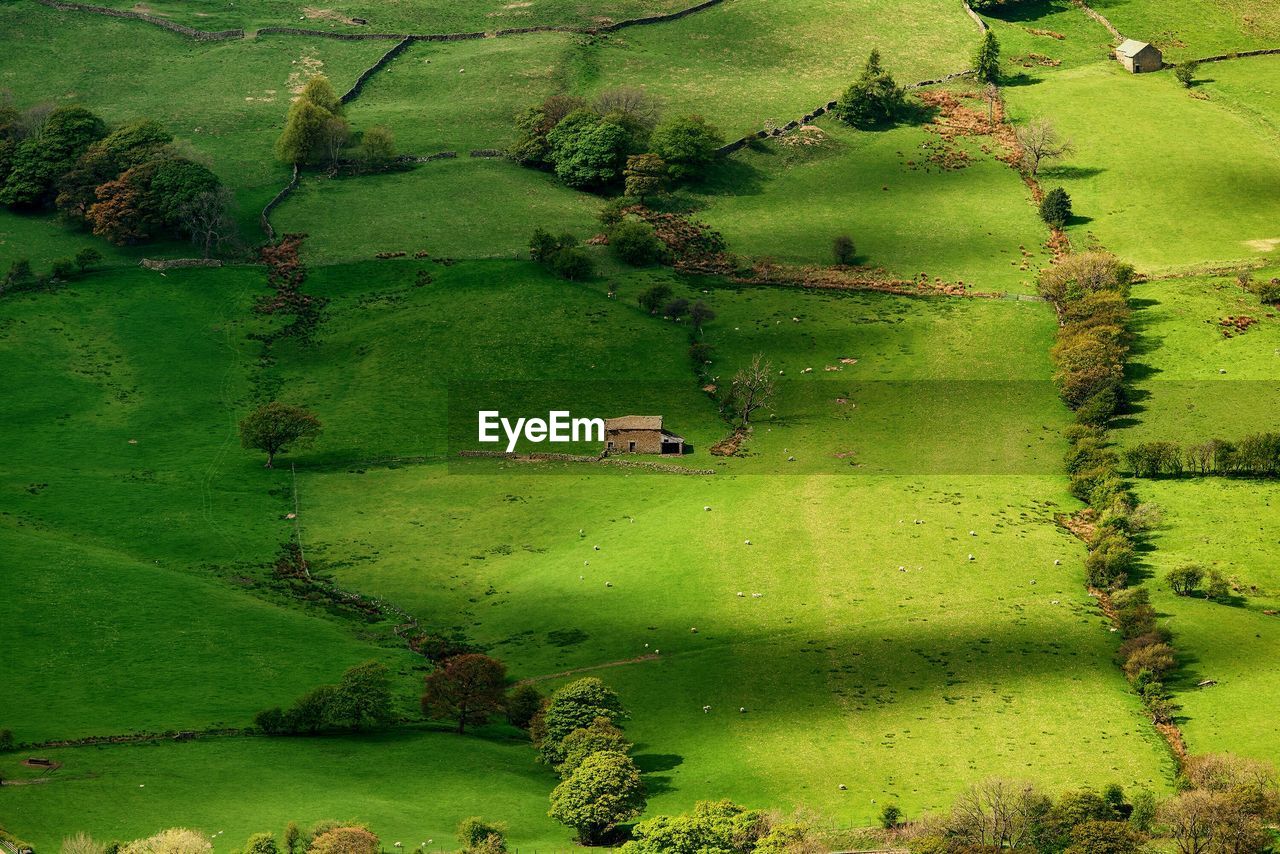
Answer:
(608, 584)
(707, 508)
(971, 557)
(740, 594)
(746, 542)
(756, 595)
(706, 709)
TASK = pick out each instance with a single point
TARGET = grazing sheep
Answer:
(971, 557)
(706, 709)
(742, 709)
(740, 594)
(1057, 563)
(746, 542)
(707, 508)
(973, 533)
(756, 595)
(1033, 581)
(608, 584)
(596, 548)
(399, 845)
(693, 630)
(843, 787)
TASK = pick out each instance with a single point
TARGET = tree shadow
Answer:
(730, 176)
(1071, 172)
(1019, 80)
(1077, 219)
(653, 763)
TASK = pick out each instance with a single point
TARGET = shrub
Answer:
(1186, 74)
(874, 99)
(270, 721)
(843, 249)
(1157, 659)
(654, 298)
(1136, 621)
(479, 836)
(19, 275)
(645, 176)
(523, 703)
(63, 268)
(345, 840)
(635, 242)
(687, 144)
(87, 257)
(1186, 579)
(1216, 586)
(890, 816)
(701, 353)
(6, 739)
(573, 264)
(1055, 207)
(1110, 559)
(676, 308)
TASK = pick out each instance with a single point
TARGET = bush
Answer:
(573, 264)
(1157, 659)
(1186, 74)
(687, 144)
(19, 276)
(6, 739)
(654, 298)
(477, 835)
(1217, 587)
(635, 242)
(843, 249)
(890, 816)
(701, 353)
(874, 99)
(1186, 579)
(1055, 208)
(523, 703)
(270, 721)
(87, 257)
(676, 308)
(63, 268)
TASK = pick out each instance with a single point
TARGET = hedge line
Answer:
(1256, 455)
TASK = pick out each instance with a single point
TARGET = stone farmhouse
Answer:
(1139, 57)
(640, 434)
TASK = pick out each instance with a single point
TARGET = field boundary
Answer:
(264, 219)
(239, 33)
(1100, 18)
(181, 29)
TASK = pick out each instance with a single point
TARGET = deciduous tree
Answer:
(466, 689)
(275, 426)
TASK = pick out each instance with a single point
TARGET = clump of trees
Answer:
(1255, 455)
(317, 132)
(128, 185)
(477, 835)
(636, 242)
(619, 138)
(578, 732)
(360, 700)
(721, 826)
(874, 100)
(561, 254)
(275, 426)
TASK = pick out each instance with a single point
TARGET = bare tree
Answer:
(1039, 141)
(334, 135)
(991, 92)
(632, 102)
(207, 218)
(753, 388)
(997, 814)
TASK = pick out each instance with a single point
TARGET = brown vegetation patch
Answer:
(1232, 326)
(315, 14)
(728, 446)
(1050, 33)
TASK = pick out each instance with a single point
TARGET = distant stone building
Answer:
(640, 434)
(1139, 57)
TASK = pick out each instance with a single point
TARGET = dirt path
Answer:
(649, 656)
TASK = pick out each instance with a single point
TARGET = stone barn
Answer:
(640, 434)
(1139, 57)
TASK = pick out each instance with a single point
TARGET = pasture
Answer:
(873, 601)
(912, 203)
(1222, 524)
(1194, 377)
(1163, 179)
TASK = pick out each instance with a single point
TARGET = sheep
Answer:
(706, 709)
(746, 542)
(740, 594)
(1033, 581)
(608, 584)
(973, 533)
(399, 844)
(971, 557)
(756, 595)
(707, 508)
(693, 630)
(843, 787)
(1057, 563)
(742, 709)
(596, 548)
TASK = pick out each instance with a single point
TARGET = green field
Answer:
(1207, 198)
(906, 213)
(873, 601)
(1191, 382)
(1222, 524)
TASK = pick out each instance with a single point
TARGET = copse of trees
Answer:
(360, 700)
(127, 185)
(317, 132)
(1255, 455)
(561, 255)
(575, 706)
(720, 826)
(874, 99)
(618, 138)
